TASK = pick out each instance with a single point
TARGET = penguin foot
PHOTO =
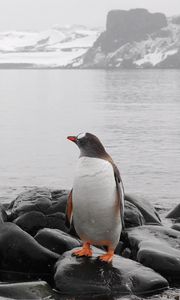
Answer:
(107, 257)
(85, 251)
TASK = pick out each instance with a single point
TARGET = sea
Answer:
(135, 113)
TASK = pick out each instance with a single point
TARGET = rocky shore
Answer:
(36, 248)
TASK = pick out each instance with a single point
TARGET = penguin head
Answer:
(89, 144)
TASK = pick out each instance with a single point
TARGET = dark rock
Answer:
(127, 26)
(132, 215)
(157, 247)
(56, 240)
(82, 276)
(147, 210)
(31, 221)
(174, 213)
(36, 290)
(56, 221)
(59, 201)
(3, 215)
(20, 252)
(39, 199)
(33, 200)
(176, 226)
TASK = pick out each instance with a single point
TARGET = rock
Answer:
(147, 210)
(39, 199)
(176, 226)
(132, 215)
(56, 221)
(3, 215)
(56, 240)
(36, 290)
(80, 276)
(31, 221)
(127, 26)
(33, 200)
(157, 247)
(174, 213)
(59, 201)
(20, 252)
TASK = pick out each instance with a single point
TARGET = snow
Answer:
(58, 46)
(155, 57)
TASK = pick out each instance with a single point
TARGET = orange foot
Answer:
(85, 251)
(107, 257)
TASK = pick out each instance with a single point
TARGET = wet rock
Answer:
(31, 221)
(59, 201)
(147, 210)
(157, 247)
(3, 214)
(20, 252)
(80, 276)
(174, 213)
(36, 290)
(56, 240)
(56, 221)
(39, 199)
(132, 215)
(33, 200)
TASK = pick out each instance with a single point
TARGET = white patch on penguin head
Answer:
(81, 135)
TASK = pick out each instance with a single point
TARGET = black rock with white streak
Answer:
(83, 276)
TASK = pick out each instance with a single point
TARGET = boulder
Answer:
(56, 240)
(157, 247)
(31, 221)
(20, 252)
(36, 290)
(56, 221)
(174, 213)
(89, 276)
(3, 215)
(145, 207)
(132, 215)
(41, 200)
(59, 201)
(33, 200)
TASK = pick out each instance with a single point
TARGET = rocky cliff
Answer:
(135, 39)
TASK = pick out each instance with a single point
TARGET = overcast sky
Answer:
(43, 14)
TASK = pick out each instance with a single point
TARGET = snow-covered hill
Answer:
(57, 47)
(144, 41)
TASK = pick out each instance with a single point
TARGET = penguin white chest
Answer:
(95, 212)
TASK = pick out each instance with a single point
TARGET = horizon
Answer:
(18, 15)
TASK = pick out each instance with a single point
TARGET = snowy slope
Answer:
(160, 49)
(51, 48)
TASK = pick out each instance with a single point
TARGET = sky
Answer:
(44, 14)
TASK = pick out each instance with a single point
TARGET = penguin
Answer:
(96, 201)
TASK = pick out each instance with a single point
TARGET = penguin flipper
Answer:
(69, 211)
(120, 193)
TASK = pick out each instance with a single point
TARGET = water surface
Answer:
(136, 114)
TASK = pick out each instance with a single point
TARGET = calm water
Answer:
(135, 113)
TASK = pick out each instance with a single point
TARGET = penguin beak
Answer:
(72, 138)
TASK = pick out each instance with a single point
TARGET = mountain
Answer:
(132, 39)
(136, 39)
(57, 47)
